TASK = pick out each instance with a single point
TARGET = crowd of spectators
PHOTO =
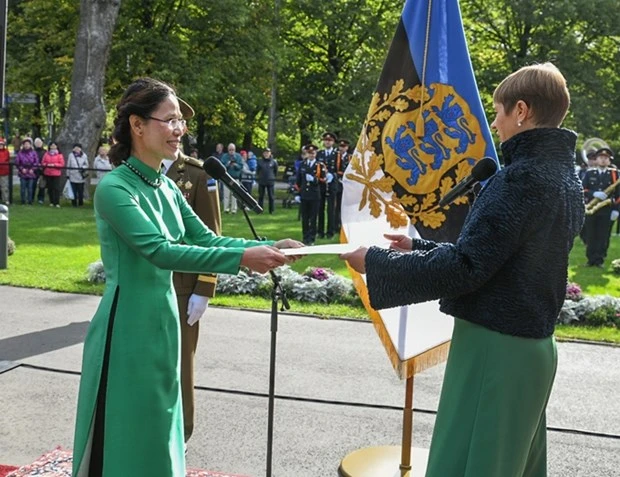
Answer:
(41, 169)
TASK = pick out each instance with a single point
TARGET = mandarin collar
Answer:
(539, 142)
(149, 172)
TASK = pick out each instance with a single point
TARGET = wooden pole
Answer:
(405, 461)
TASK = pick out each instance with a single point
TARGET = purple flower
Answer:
(573, 292)
(319, 274)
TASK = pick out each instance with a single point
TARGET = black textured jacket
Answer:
(508, 269)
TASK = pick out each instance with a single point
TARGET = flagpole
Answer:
(405, 457)
(389, 461)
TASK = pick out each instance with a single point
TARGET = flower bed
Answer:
(315, 285)
(322, 285)
(596, 310)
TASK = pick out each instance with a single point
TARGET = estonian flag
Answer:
(424, 131)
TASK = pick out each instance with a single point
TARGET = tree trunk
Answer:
(248, 139)
(86, 115)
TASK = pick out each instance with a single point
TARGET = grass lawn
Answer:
(55, 246)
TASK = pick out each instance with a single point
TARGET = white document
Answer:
(333, 249)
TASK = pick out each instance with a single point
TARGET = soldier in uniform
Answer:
(193, 291)
(342, 162)
(598, 225)
(327, 156)
(310, 176)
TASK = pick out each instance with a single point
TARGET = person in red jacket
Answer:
(52, 163)
(5, 157)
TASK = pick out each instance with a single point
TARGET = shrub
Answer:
(315, 285)
(573, 292)
(615, 266)
(245, 282)
(95, 272)
(583, 311)
(11, 246)
(602, 316)
(317, 273)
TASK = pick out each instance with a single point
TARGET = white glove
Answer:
(614, 215)
(309, 178)
(330, 177)
(297, 199)
(196, 308)
(600, 195)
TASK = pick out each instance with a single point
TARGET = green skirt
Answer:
(491, 417)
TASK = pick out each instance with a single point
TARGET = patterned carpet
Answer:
(5, 469)
(57, 463)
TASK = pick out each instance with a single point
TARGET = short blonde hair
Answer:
(542, 87)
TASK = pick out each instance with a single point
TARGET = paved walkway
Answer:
(323, 360)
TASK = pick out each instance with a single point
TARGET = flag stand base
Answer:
(382, 461)
(389, 461)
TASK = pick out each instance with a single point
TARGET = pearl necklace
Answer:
(155, 184)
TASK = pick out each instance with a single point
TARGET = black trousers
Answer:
(597, 230)
(78, 194)
(321, 212)
(42, 183)
(53, 188)
(270, 194)
(309, 210)
(331, 200)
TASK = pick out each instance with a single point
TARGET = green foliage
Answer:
(580, 36)
(603, 316)
(222, 56)
(40, 41)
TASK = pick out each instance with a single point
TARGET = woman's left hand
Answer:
(289, 243)
(356, 259)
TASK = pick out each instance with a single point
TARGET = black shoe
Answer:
(330, 236)
(321, 236)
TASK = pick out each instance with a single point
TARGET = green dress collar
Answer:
(146, 173)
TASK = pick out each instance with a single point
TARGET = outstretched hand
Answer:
(401, 243)
(289, 243)
(356, 259)
(263, 258)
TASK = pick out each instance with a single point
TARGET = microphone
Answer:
(483, 169)
(216, 169)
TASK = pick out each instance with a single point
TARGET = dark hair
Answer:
(49, 144)
(141, 98)
(77, 144)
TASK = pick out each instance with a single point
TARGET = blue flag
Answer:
(425, 127)
(424, 131)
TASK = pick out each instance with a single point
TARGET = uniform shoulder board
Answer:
(193, 161)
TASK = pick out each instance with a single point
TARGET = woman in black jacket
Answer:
(504, 281)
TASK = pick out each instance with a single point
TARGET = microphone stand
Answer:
(277, 295)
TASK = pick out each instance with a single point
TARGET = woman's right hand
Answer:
(402, 243)
(263, 258)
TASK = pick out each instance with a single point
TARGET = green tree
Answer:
(333, 60)
(40, 42)
(580, 36)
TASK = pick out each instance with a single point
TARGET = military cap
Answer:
(186, 110)
(604, 150)
(310, 148)
(344, 143)
(329, 135)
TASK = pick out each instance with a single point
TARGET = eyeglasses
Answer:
(172, 123)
